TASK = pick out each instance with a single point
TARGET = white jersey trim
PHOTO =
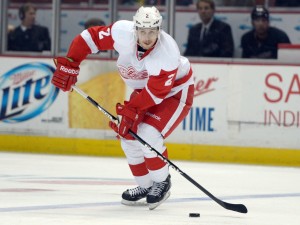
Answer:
(154, 98)
(89, 41)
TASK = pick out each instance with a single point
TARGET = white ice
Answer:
(38, 189)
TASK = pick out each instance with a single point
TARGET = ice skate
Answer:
(159, 193)
(132, 196)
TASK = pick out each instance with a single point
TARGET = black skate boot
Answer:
(133, 195)
(159, 193)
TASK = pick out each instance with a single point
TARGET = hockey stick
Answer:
(234, 207)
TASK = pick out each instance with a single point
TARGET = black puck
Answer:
(194, 215)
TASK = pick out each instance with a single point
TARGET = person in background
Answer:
(28, 36)
(154, 2)
(184, 2)
(287, 3)
(10, 28)
(128, 2)
(93, 22)
(211, 37)
(262, 41)
(150, 63)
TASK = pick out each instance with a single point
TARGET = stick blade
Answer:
(236, 207)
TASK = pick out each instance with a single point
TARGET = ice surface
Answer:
(38, 189)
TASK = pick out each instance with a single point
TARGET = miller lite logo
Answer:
(26, 92)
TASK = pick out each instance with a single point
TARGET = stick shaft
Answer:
(234, 207)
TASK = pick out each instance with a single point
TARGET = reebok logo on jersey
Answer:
(70, 71)
(153, 116)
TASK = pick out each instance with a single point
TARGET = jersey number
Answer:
(104, 33)
(169, 81)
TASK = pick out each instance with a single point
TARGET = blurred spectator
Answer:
(93, 22)
(211, 37)
(128, 2)
(28, 36)
(154, 2)
(287, 3)
(184, 2)
(10, 28)
(262, 41)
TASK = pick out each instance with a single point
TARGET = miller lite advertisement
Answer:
(28, 101)
(31, 105)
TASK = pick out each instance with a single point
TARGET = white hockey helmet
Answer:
(147, 17)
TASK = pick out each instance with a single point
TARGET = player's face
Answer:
(261, 25)
(147, 37)
(29, 19)
(206, 12)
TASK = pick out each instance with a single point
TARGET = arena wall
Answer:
(242, 113)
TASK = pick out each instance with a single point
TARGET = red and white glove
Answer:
(65, 74)
(130, 120)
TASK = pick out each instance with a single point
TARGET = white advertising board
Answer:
(264, 103)
(234, 105)
(207, 120)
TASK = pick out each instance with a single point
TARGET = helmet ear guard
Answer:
(147, 17)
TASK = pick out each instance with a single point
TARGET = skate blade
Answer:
(154, 205)
(132, 203)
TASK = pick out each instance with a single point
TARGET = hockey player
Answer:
(149, 62)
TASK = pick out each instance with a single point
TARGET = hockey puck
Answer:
(194, 215)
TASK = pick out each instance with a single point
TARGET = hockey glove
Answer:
(130, 120)
(65, 74)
